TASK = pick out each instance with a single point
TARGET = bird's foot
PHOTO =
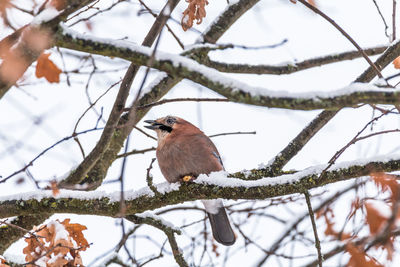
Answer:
(188, 178)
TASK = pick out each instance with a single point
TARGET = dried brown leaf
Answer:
(75, 231)
(396, 63)
(47, 69)
(386, 183)
(374, 218)
(195, 11)
(358, 258)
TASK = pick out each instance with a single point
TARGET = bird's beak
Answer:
(153, 125)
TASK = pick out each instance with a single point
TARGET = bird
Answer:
(184, 152)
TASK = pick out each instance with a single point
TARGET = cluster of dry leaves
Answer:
(56, 244)
(379, 225)
(195, 11)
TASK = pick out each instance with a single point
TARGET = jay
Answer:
(184, 152)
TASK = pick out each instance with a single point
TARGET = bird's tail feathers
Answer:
(221, 228)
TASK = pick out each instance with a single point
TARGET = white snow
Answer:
(221, 179)
(46, 15)
(148, 214)
(217, 77)
(215, 178)
(19, 259)
(114, 196)
(61, 232)
(153, 83)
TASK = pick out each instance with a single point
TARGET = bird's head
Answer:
(170, 126)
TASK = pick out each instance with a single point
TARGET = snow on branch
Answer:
(234, 90)
(216, 185)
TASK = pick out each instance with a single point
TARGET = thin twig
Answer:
(164, 101)
(146, 134)
(356, 138)
(319, 12)
(149, 178)
(222, 134)
(44, 151)
(382, 17)
(134, 152)
(291, 67)
(314, 226)
(166, 24)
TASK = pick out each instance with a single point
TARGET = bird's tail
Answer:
(221, 228)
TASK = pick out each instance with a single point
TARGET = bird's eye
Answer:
(170, 121)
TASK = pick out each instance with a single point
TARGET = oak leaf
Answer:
(358, 258)
(396, 63)
(195, 11)
(374, 218)
(47, 69)
(387, 183)
(75, 231)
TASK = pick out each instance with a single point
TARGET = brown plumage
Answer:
(184, 150)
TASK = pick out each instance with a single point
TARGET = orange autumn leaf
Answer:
(195, 11)
(358, 258)
(330, 231)
(374, 218)
(47, 69)
(396, 63)
(57, 244)
(75, 231)
(58, 4)
(387, 183)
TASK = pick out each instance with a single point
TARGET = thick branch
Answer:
(295, 66)
(87, 164)
(324, 117)
(204, 188)
(215, 31)
(232, 89)
(26, 53)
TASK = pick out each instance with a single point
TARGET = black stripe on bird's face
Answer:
(165, 128)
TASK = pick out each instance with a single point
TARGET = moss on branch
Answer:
(179, 68)
(189, 192)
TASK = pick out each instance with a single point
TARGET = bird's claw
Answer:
(187, 178)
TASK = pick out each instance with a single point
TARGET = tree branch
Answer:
(28, 53)
(314, 227)
(232, 89)
(203, 188)
(168, 230)
(79, 174)
(295, 66)
(324, 117)
(218, 27)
